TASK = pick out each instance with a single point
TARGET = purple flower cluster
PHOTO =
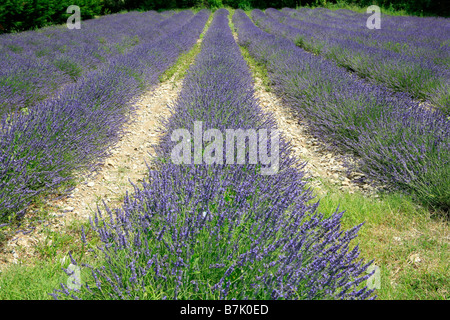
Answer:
(35, 65)
(40, 149)
(387, 56)
(398, 142)
(222, 231)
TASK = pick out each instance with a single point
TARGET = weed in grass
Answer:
(122, 170)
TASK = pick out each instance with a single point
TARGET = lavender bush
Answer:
(41, 149)
(416, 72)
(397, 141)
(221, 231)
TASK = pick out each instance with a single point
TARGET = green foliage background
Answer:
(19, 15)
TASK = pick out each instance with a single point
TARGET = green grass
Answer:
(395, 231)
(31, 283)
(127, 43)
(15, 49)
(68, 67)
(37, 276)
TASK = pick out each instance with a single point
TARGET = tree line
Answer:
(19, 15)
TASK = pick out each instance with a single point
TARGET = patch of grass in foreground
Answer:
(410, 245)
(20, 282)
(35, 282)
(38, 275)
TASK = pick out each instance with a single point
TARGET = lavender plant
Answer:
(42, 148)
(398, 142)
(221, 231)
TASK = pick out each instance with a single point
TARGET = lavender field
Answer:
(340, 188)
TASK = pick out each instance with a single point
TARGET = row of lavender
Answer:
(398, 142)
(419, 76)
(221, 231)
(40, 150)
(35, 65)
